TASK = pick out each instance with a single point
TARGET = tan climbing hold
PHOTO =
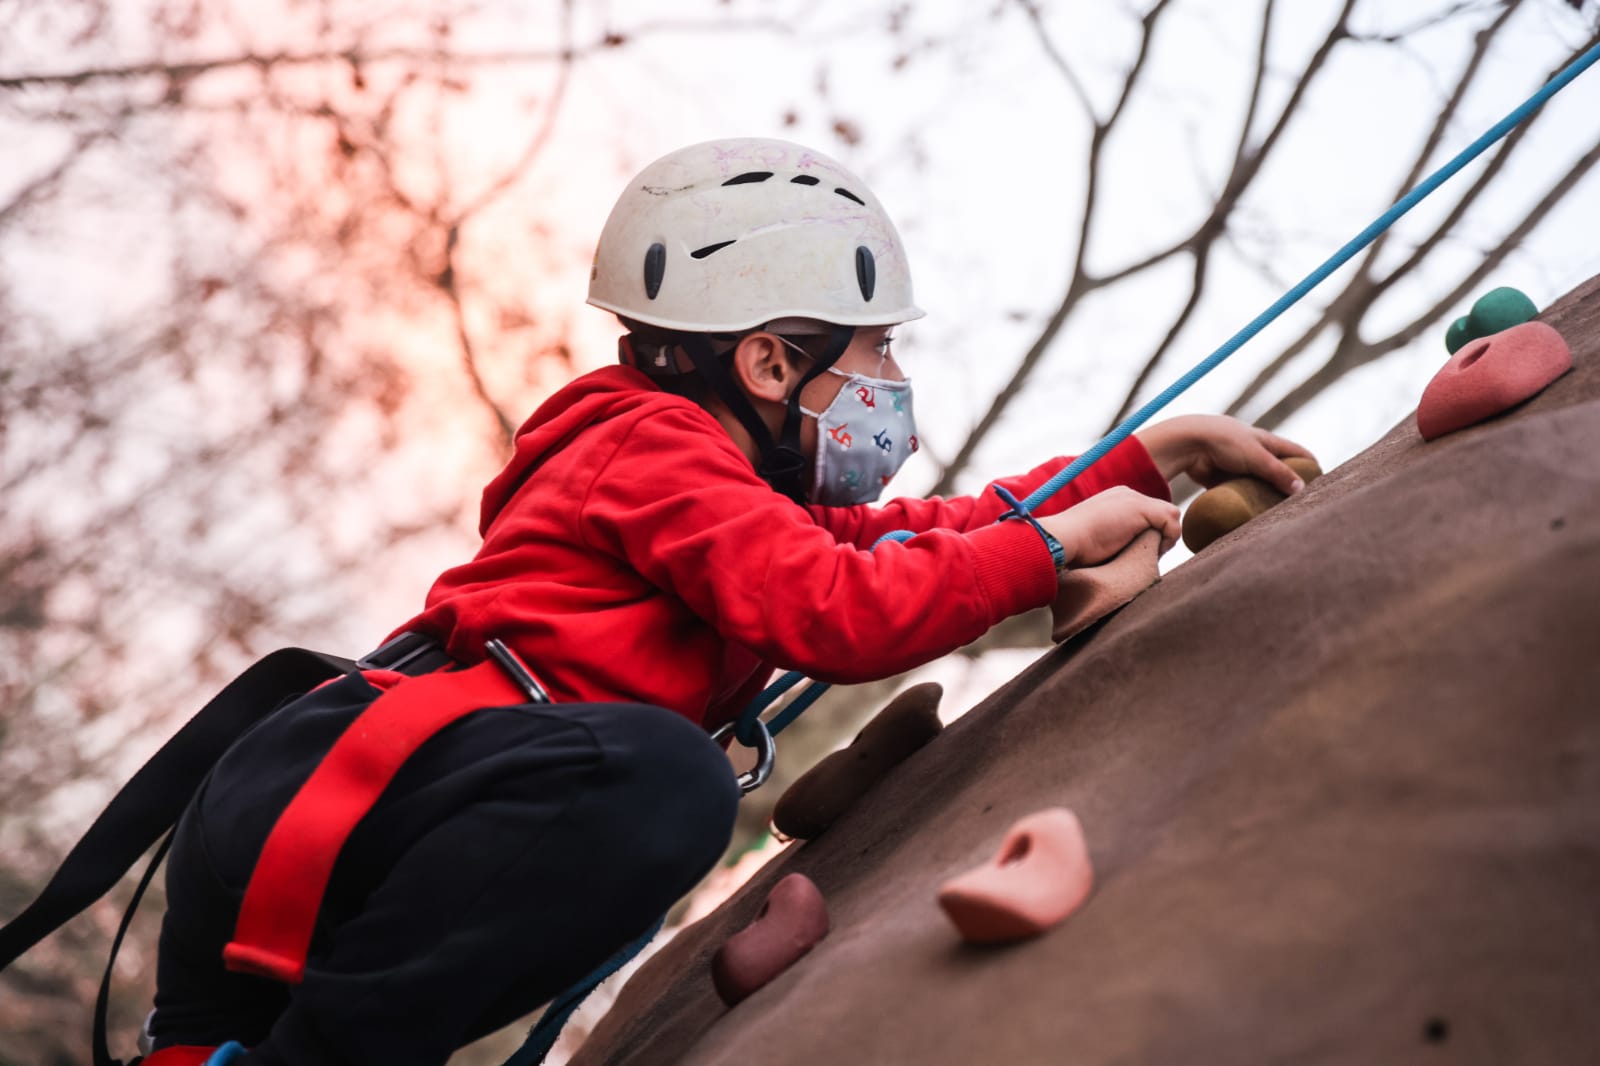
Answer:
(1086, 595)
(1224, 508)
(792, 921)
(1040, 875)
(828, 789)
(1489, 375)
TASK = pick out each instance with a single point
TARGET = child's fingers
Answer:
(1164, 518)
(1282, 447)
(1262, 463)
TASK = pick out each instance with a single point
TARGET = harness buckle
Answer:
(517, 670)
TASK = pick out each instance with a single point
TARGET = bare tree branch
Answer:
(1248, 163)
(1079, 283)
(1348, 309)
(1197, 284)
(541, 136)
(1036, 19)
(1257, 79)
(357, 57)
(51, 177)
(1351, 353)
(506, 431)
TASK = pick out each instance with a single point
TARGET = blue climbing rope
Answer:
(749, 718)
(543, 1036)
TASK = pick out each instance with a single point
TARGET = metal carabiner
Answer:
(766, 755)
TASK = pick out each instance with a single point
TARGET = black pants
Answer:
(511, 855)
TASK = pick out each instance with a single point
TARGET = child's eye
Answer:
(882, 347)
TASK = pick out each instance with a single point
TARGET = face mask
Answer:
(863, 437)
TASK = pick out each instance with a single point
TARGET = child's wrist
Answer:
(1019, 511)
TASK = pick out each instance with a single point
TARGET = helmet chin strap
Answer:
(783, 463)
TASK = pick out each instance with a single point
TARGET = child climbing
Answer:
(436, 843)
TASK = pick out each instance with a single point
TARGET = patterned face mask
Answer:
(863, 438)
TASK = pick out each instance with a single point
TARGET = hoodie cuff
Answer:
(1014, 568)
(1134, 468)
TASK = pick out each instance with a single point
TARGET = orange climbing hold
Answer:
(790, 924)
(1490, 375)
(1040, 875)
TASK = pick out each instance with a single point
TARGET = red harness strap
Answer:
(182, 1055)
(285, 891)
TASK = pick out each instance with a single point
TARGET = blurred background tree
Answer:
(278, 281)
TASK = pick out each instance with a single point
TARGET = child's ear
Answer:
(762, 368)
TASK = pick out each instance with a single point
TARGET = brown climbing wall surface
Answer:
(1340, 779)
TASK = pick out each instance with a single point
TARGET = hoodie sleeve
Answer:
(1129, 463)
(682, 506)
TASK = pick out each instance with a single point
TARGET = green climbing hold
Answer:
(1500, 309)
(1496, 311)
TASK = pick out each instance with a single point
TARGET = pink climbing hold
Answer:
(790, 924)
(1040, 875)
(1489, 375)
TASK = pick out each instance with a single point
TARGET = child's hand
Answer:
(1213, 448)
(1101, 526)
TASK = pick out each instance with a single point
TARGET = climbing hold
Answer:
(1086, 595)
(791, 922)
(828, 789)
(1490, 375)
(1495, 311)
(1498, 310)
(1224, 508)
(1041, 874)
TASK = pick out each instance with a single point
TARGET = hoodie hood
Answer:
(611, 392)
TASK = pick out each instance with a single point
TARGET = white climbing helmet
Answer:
(730, 235)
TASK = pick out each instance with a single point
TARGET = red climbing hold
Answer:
(791, 923)
(1489, 375)
(1041, 874)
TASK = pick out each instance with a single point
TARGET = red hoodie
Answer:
(630, 553)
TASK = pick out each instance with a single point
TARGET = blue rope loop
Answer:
(1019, 509)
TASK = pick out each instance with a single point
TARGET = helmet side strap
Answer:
(706, 364)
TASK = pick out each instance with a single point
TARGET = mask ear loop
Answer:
(789, 461)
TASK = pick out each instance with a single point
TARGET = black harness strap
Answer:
(149, 805)
(99, 1046)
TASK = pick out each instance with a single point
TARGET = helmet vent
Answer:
(701, 253)
(848, 195)
(655, 265)
(749, 177)
(866, 271)
(804, 179)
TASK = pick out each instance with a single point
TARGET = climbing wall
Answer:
(1339, 777)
